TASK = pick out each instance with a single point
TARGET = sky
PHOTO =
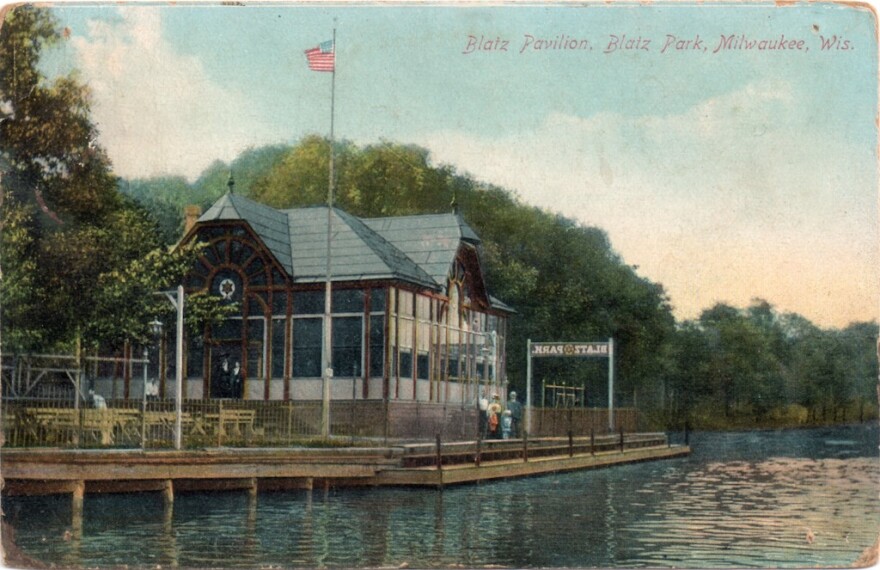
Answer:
(724, 173)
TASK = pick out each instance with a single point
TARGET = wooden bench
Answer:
(64, 424)
(229, 423)
(106, 421)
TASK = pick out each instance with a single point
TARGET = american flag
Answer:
(322, 58)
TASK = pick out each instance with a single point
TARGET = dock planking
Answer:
(51, 471)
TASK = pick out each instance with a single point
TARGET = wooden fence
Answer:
(137, 423)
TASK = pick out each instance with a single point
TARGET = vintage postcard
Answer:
(429, 285)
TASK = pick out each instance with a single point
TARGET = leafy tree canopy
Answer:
(80, 260)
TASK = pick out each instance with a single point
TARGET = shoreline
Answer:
(775, 428)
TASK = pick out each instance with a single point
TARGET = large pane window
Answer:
(277, 348)
(308, 303)
(228, 329)
(279, 303)
(405, 332)
(454, 354)
(377, 300)
(348, 301)
(256, 304)
(424, 368)
(307, 336)
(347, 346)
(255, 360)
(406, 363)
(256, 338)
(377, 345)
(195, 357)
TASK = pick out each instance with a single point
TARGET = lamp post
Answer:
(176, 299)
(156, 330)
(144, 402)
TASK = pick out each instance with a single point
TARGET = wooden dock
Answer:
(48, 471)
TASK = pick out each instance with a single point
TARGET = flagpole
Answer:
(328, 334)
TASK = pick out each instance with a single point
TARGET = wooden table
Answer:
(106, 421)
(70, 421)
(231, 421)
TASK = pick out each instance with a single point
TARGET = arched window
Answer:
(237, 268)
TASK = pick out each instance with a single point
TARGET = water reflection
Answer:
(169, 538)
(763, 499)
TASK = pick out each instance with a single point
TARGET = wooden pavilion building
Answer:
(412, 319)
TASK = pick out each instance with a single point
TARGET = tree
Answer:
(744, 371)
(79, 260)
(301, 176)
(687, 377)
(49, 153)
(56, 185)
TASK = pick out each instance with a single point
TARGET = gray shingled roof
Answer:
(418, 249)
(430, 240)
(357, 252)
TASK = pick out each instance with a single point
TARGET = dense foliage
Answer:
(83, 253)
(756, 365)
(80, 261)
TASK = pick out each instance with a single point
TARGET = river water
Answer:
(790, 498)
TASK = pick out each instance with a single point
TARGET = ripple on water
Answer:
(731, 504)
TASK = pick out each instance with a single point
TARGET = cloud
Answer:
(157, 110)
(738, 196)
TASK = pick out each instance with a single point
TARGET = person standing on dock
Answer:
(483, 412)
(235, 381)
(494, 413)
(97, 400)
(515, 409)
(506, 424)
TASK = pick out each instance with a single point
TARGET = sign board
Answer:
(582, 349)
(596, 349)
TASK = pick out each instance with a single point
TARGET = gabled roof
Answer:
(430, 240)
(357, 252)
(418, 249)
(270, 224)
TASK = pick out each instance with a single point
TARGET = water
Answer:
(757, 499)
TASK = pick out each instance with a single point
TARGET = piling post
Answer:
(79, 492)
(252, 488)
(621, 440)
(570, 444)
(168, 492)
(526, 447)
(439, 453)
(76, 521)
(477, 456)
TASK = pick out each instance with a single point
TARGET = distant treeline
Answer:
(731, 366)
